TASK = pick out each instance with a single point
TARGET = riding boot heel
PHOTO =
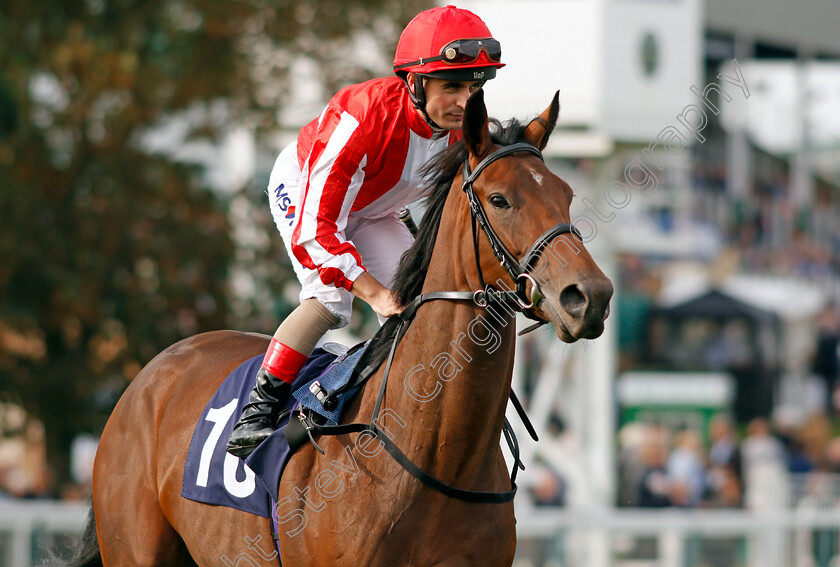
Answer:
(259, 416)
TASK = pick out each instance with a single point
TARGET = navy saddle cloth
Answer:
(213, 476)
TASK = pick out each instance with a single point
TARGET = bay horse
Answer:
(493, 201)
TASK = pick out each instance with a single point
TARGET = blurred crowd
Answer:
(764, 462)
(759, 467)
(769, 232)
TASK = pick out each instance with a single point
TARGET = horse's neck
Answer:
(453, 383)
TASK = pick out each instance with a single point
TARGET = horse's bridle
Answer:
(518, 270)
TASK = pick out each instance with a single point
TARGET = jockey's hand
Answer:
(381, 299)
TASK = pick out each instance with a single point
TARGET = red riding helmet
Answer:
(448, 43)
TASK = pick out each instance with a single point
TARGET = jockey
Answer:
(336, 191)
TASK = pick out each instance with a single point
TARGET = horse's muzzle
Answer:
(585, 306)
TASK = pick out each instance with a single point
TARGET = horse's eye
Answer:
(499, 202)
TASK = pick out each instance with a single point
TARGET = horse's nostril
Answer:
(573, 301)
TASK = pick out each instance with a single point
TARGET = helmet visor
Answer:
(463, 74)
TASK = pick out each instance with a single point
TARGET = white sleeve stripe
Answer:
(318, 176)
(353, 190)
(321, 116)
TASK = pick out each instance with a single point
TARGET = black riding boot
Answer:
(259, 416)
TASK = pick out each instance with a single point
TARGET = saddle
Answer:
(213, 476)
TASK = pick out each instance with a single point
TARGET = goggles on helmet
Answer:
(462, 51)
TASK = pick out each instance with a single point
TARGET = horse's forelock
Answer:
(508, 133)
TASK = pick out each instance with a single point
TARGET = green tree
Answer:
(110, 252)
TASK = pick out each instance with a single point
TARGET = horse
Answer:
(450, 362)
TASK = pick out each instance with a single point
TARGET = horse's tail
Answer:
(85, 552)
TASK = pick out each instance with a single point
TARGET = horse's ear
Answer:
(541, 127)
(475, 126)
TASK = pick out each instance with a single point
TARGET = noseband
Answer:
(518, 269)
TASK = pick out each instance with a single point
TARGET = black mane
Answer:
(441, 170)
(414, 264)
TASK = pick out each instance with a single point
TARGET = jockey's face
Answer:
(446, 99)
